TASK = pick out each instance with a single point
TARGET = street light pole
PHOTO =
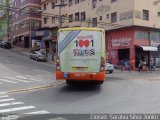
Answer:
(30, 28)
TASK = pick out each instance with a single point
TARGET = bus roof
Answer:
(80, 28)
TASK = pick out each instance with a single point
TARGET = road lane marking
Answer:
(3, 96)
(35, 88)
(4, 100)
(16, 109)
(38, 112)
(12, 103)
(22, 77)
(2, 93)
(4, 80)
(16, 79)
(44, 76)
(33, 77)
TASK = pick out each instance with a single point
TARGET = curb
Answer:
(25, 53)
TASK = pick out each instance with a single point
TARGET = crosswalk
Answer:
(25, 78)
(11, 105)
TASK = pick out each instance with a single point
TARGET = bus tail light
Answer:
(102, 64)
(57, 63)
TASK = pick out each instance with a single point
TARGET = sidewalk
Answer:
(26, 51)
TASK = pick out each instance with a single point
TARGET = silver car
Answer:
(109, 67)
(37, 55)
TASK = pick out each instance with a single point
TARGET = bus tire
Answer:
(99, 82)
(69, 82)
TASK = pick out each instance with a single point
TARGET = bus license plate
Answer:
(79, 75)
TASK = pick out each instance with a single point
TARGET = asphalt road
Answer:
(27, 86)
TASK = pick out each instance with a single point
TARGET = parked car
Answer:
(37, 55)
(0, 43)
(5, 44)
(109, 67)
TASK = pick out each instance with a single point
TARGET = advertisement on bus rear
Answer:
(80, 50)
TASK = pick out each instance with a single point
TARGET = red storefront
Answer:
(124, 44)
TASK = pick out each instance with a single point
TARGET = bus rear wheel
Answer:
(98, 82)
(70, 82)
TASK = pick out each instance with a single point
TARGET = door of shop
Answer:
(142, 55)
(123, 54)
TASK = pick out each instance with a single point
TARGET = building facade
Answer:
(4, 20)
(132, 26)
(24, 18)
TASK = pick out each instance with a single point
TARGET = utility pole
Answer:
(60, 12)
(30, 27)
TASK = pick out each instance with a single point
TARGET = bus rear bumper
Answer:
(100, 76)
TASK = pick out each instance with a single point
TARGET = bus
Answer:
(81, 55)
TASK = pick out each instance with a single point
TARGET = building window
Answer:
(83, 16)
(100, 17)
(113, 1)
(76, 1)
(53, 20)
(0, 28)
(155, 37)
(145, 15)
(107, 16)
(53, 5)
(76, 16)
(94, 3)
(158, 13)
(71, 18)
(21, 1)
(16, 27)
(63, 18)
(113, 17)
(44, 6)
(141, 35)
(15, 3)
(94, 22)
(45, 20)
(70, 2)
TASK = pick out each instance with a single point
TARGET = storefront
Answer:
(119, 45)
(133, 43)
(37, 38)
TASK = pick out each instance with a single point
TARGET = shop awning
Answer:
(149, 48)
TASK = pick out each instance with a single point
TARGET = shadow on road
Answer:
(81, 88)
(114, 78)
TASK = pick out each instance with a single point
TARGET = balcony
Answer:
(25, 29)
(24, 16)
(18, 5)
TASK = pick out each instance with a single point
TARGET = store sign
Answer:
(43, 33)
(121, 42)
(154, 44)
(40, 33)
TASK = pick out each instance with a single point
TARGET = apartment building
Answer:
(4, 20)
(24, 18)
(132, 26)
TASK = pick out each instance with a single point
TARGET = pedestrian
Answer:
(140, 63)
(132, 63)
(152, 65)
(127, 65)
